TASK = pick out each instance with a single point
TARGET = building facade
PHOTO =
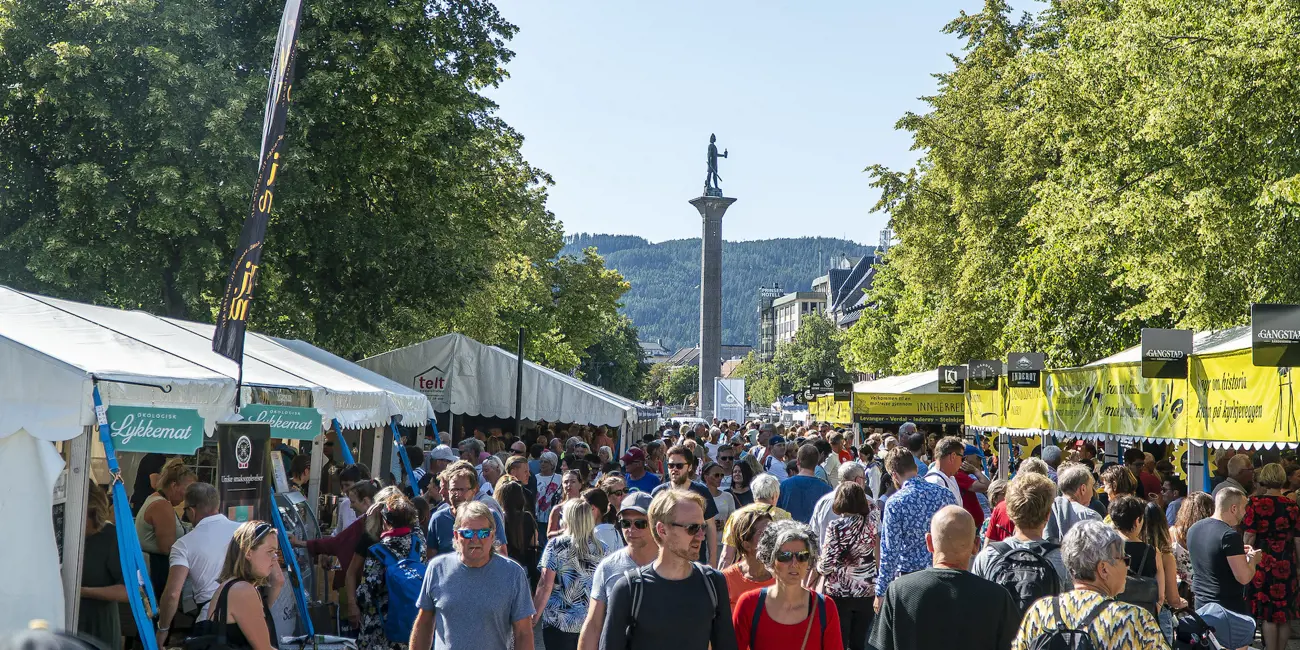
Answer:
(792, 308)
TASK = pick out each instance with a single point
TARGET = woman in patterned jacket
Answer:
(400, 531)
(568, 564)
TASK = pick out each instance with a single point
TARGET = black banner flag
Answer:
(232, 319)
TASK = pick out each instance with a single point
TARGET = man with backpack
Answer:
(675, 602)
(1027, 566)
(946, 606)
(1087, 617)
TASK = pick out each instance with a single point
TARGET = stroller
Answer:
(1191, 632)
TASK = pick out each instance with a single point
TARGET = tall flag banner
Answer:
(232, 319)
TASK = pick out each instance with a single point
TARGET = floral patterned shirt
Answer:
(907, 519)
(849, 558)
(567, 607)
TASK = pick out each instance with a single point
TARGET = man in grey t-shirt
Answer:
(641, 549)
(473, 598)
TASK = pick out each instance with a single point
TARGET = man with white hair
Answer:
(1241, 474)
(767, 491)
(1077, 486)
(489, 473)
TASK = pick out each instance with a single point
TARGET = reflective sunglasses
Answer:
(639, 524)
(786, 556)
(691, 529)
(470, 533)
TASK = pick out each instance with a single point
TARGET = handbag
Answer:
(210, 634)
(1139, 590)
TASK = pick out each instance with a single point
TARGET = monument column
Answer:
(711, 206)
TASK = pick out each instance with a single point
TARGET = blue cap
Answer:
(775, 440)
(972, 450)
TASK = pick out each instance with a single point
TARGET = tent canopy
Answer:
(412, 405)
(926, 381)
(1235, 338)
(465, 377)
(50, 356)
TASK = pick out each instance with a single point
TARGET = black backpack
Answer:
(1061, 637)
(1025, 572)
(636, 580)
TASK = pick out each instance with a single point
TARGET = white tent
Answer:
(412, 405)
(465, 377)
(50, 360)
(926, 381)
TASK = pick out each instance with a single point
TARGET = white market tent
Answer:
(926, 381)
(464, 377)
(50, 353)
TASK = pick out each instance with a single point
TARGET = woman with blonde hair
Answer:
(252, 561)
(157, 524)
(370, 533)
(1270, 525)
(747, 574)
(568, 565)
(102, 587)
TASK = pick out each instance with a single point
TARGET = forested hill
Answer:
(664, 302)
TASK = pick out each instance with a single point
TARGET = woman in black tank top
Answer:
(252, 563)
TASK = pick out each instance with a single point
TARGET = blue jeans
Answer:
(1166, 620)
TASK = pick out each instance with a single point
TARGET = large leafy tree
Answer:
(814, 353)
(1094, 169)
(128, 142)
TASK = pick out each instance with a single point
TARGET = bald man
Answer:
(976, 614)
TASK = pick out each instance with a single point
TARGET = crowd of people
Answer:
(757, 536)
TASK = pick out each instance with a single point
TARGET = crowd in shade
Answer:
(757, 536)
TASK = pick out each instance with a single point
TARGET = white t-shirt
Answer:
(939, 478)
(607, 535)
(346, 515)
(203, 552)
(774, 467)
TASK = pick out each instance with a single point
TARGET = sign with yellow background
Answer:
(933, 408)
(1114, 400)
(983, 408)
(1025, 409)
(1232, 400)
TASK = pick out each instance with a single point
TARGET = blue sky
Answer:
(616, 100)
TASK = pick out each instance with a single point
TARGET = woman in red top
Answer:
(786, 616)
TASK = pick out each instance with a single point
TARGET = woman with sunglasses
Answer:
(400, 537)
(571, 489)
(713, 474)
(747, 574)
(568, 566)
(252, 564)
(787, 615)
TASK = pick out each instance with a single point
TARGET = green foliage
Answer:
(1088, 171)
(682, 384)
(664, 301)
(616, 362)
(816, 352)
(762, 382)
(129, 132)
(655, 380)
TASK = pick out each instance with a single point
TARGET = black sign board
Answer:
(243, 476)
(798, 398)
(843, 391)
(1165, 353)
(1024, 369)
(982, 374)
(827, 385)
(952, 379)
(1275, 335)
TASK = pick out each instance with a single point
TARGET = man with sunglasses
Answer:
(681, 471)
(461, 483)
(641, 550)
(674, 602)
(727, 461)
(474, 598)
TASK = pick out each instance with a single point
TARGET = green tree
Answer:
(681, 386)
(616, 362)
(762, 381)
(655, 381)
(813, 354)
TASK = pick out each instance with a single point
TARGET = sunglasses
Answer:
(261, 531)
(1127, 559)
(717, 474)
(724, 459)
(691, 529)
(471, 533)
(786, 556)
(678, 465)
(639, 524)
(617, 493)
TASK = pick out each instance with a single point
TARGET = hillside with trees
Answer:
(664, 301)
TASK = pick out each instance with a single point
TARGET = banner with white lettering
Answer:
(1165, 353)
(146, 430)
(1275, 335)
(242, 483)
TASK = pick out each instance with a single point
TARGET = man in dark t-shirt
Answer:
(977, 614)
(681, 469)
(1221, 563)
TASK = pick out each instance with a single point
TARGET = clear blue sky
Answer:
(616, 100)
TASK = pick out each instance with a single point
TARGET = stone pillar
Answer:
(711, 208)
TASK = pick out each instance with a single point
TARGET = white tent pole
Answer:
(1196, 455)
(317, 463)
(74, 523)
(1004, 457)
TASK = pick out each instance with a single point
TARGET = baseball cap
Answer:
(775, 440)
(972, 450)
(443, 452)
(634, 454)
(637, 502)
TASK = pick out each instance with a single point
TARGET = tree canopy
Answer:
(1093, 169)
(129, 132)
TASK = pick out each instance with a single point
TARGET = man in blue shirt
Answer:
(462, 486)
(906, 520)
(637, 478)
(799, 493)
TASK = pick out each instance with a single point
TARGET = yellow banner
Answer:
(1025, 408)
(1232, 400)
(934, 408)
(983, 408)
(1115, 400)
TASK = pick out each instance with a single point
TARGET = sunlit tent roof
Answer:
(1235, 338)
(466, 377)
(412, 405)
(926, 381)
